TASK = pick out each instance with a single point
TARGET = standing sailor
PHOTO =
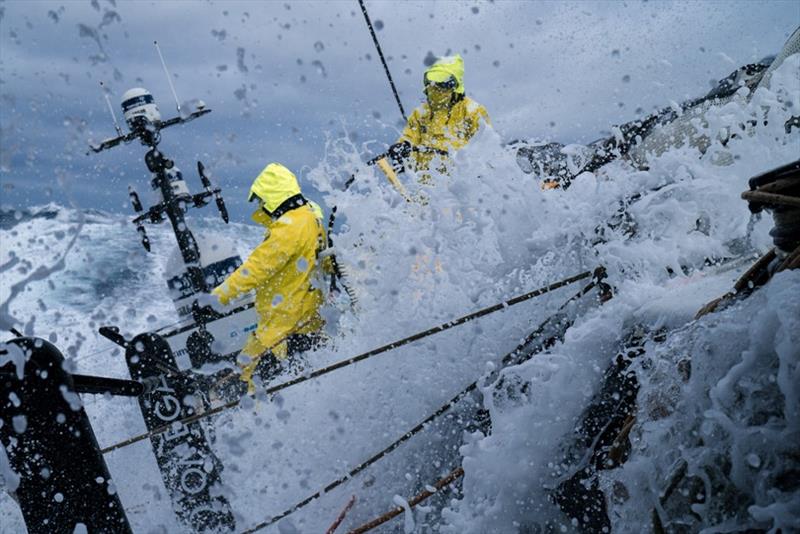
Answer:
(443, 124)
(282, 271)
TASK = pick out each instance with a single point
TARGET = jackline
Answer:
(383, 60)
(361, 357)
(512, 358)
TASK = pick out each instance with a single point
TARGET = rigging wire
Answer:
(520, 354)
(383, 60)
(599, 272)
(363, 465)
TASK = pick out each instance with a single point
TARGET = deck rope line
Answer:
(523, 352)
(361, 357)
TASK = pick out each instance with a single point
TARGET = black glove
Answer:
(398, 153)
(204, 314)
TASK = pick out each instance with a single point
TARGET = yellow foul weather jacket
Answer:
(446, 128)
(282, 268)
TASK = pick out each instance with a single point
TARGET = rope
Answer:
(360, 467)
(82, 357)
(383, 60)
(340, 517)
(443, 482)
(513, 357)
(361, 357)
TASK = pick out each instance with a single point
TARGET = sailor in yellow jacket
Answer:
(443, 124)
(281, 270)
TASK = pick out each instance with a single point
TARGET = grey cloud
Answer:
(553, 70)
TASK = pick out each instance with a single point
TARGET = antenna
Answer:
(169, 79)
(111, 109)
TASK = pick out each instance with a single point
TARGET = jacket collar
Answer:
(264, 217)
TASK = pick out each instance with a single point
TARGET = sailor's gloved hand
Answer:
(207, 308)
(398, 153)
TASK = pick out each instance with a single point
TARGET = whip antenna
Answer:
(383, 60)
(169, 78)
(111, 109)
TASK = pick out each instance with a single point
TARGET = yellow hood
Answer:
(446, 67)
(274, 186)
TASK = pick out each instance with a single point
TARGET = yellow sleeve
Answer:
(476, 116)
(484, 115)
(264, 262)
(412, 132)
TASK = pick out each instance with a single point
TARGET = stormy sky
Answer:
(285, 78)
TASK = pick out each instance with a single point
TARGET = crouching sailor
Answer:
(282, 271)
(442, 125)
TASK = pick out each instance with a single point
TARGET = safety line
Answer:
(383, 60)
(361, 357)
(514, 357)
